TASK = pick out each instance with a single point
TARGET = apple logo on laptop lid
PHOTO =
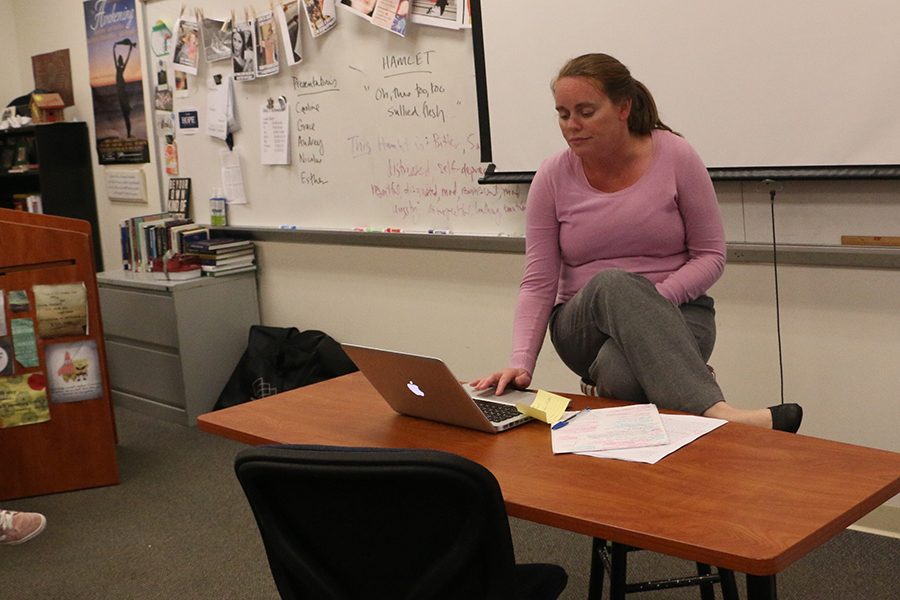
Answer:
(414, 388)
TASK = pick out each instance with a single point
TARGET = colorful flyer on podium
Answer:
(73, 371)
(7, 362)
(23, 400)
(61, 309)
(2, 313)
(24, 342)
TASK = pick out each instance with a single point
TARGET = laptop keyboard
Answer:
(496, 412)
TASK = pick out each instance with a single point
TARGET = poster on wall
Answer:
(116, 85)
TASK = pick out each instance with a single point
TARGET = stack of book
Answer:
(224, 256)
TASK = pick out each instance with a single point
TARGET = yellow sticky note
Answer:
(546, 407)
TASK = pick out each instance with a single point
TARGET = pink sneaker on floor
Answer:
(19, 527)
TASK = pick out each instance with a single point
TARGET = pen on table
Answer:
(290, 227)
(439, 231)
(393, 230)
(564, 422)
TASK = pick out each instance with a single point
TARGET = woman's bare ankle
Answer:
(758, 417)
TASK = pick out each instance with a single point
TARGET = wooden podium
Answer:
(76, 447)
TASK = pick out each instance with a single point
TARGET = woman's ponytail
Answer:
(644, 116)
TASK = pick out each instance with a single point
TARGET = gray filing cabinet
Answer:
(172, 345)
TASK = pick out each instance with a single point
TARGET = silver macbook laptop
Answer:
(421, 386)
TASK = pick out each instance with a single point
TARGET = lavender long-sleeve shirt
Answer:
(665, 227)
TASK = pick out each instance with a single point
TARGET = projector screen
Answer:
(762, 84)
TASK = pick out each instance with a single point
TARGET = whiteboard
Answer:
(384, 133)
(766, 83)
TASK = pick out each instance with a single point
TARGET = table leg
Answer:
(761, 587)
(595, 586)
(617, 575)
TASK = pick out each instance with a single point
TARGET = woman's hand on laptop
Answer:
(517, 378)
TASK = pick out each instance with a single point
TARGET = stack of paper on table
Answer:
(682, 430)
(636, 433)
(634, 426)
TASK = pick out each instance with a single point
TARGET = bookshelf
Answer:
(53, 160)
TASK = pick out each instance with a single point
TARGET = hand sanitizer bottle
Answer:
(218, 213)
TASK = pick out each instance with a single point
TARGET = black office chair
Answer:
(367, 523)
(612, 558)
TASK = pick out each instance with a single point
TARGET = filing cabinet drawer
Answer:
(146, 372)
(140, 316)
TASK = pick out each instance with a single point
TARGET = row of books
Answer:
(149, 237)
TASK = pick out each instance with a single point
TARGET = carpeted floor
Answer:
(178, 527)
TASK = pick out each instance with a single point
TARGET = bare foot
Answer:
(761, 417)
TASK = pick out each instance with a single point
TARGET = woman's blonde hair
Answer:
(615, 80)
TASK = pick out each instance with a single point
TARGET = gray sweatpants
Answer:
(618, 333)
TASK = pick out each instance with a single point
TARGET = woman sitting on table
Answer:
(623, 240)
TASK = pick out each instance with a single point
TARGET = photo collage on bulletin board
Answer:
(46, 355)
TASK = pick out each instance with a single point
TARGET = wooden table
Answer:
(741, 498)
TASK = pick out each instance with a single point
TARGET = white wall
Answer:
(11, 84)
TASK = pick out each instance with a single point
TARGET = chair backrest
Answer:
(342, 523)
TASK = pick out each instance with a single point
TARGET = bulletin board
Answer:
(383, 130)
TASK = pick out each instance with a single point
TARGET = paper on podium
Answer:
(633, 426)
(545, 407)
